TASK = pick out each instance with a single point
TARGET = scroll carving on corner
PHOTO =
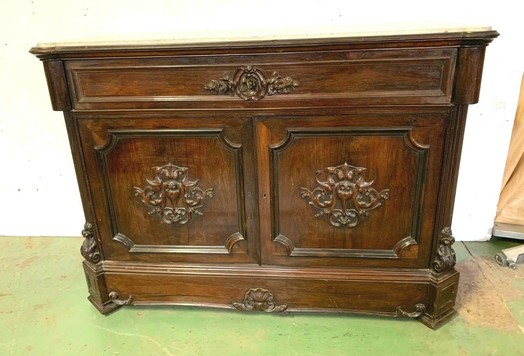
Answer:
(251, 83)
(445, 258)
(172, 195)
(89, 248)
(258, 299)
(343, 195)
(115, 298)
(420, 309)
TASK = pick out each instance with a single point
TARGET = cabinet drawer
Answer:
(289, 79)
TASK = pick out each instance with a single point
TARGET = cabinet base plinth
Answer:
(414, 294)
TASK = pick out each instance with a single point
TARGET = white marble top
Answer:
(148, 39)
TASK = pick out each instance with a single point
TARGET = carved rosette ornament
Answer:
(173, 195)
(89, 248)
(446, 258)
(258, 299)
(251, 83)
(344, 196)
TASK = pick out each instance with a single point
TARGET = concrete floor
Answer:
(44, 311)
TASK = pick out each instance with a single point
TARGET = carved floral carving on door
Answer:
(173, 195)
(343, 195)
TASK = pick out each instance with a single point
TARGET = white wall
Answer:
(38, 188)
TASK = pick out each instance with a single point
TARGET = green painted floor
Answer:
(44, 311)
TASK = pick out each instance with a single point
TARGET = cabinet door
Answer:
(170, 188)
(350, 190)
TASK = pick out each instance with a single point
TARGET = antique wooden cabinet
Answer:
(288, 175)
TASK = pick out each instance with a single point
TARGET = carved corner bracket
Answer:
(343, 195)
(89, 248)
(419, 310)
(115, 298)
(173, 195)
(258, 299)
(445, 258)
(251, 83)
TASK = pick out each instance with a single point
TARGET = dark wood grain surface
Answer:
(314, 175)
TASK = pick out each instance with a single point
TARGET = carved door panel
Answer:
(350, 190)
(170, 189)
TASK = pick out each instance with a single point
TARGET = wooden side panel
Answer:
(469, 75)
(57, 85)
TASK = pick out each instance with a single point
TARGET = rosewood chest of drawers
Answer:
(286, 175)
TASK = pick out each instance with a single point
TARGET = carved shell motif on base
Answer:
(258, 299)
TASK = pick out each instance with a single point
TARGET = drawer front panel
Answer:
(166, 190)
(355, 190)
(306, 79)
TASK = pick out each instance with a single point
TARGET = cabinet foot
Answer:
(99, 295)
(443, 292)
(104, 308)
(435, 322)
